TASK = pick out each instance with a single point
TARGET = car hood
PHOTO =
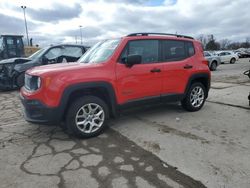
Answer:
(59, 68)
(14, 60)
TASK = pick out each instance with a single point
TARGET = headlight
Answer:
(39, 82)
(32, 83)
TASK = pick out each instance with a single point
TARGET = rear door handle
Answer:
(188, 67)
(155, 70)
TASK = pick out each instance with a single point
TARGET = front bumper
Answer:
(6, 83)
(37, 112)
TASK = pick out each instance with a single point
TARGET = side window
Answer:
(190, 49)
(148, 49)
(174, 50)
(53, 53)
(206, 54)
(11, 45)
(19, 43)
(72, 51)
(10, 42)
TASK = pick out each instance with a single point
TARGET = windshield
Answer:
(100, 52)
(37, 54)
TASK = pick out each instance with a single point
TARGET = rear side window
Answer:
(148, 49)
(176, 50)
(72, 51)
(190, 49)
(173, 50)
(206, 54)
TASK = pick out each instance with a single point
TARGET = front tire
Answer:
(87, 117)
(20, 80)
(195, 97)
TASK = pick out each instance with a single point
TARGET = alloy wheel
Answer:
(197, 97)
(90, 118)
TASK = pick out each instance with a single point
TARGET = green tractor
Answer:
(11, 46)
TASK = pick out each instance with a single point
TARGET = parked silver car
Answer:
(214, 60)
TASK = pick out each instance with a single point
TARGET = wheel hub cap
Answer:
(90, 118)
(197, 97)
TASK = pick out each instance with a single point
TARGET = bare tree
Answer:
(203, 39)
(224, 43)
(246, 44)
(212, 44)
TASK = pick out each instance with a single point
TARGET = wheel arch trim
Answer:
(197, 76)
(89, 85)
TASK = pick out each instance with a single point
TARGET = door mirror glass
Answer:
(44, 60)
(133, 60)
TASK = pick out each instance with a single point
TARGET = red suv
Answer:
(140, 68)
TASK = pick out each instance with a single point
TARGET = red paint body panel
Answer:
(137, 82)
(128, 83)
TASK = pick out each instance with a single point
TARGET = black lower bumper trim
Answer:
(36, 112)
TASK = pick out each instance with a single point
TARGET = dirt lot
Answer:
(160, 146)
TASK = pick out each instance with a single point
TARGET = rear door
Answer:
(228, 56)
(20, 47)
(141, 81)
(223, 57)
(178, 61)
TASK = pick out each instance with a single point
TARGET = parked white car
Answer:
(228, 57)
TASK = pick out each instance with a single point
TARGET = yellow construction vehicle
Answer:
(12, 46)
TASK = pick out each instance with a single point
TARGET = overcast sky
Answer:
(57, 21)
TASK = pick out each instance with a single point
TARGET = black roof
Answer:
(165, 34)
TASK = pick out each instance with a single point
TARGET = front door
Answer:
(141, 81)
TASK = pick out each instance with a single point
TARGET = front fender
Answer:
(90, 85)
(25, 66)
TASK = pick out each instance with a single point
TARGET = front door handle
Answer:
(188, 66)
(155, 70)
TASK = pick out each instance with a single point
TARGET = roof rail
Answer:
(168, 34)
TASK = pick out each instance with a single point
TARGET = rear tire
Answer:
(195, 97)
(87, 117)
(233, 60)
(20, 80)
(213, 66)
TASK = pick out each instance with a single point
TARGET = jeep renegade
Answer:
(140, 68)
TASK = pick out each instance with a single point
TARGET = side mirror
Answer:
(133, 60)
(44, 60)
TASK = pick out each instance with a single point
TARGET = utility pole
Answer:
(24, 7)
(80, 32)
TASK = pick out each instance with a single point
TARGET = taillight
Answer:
(205, 62)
